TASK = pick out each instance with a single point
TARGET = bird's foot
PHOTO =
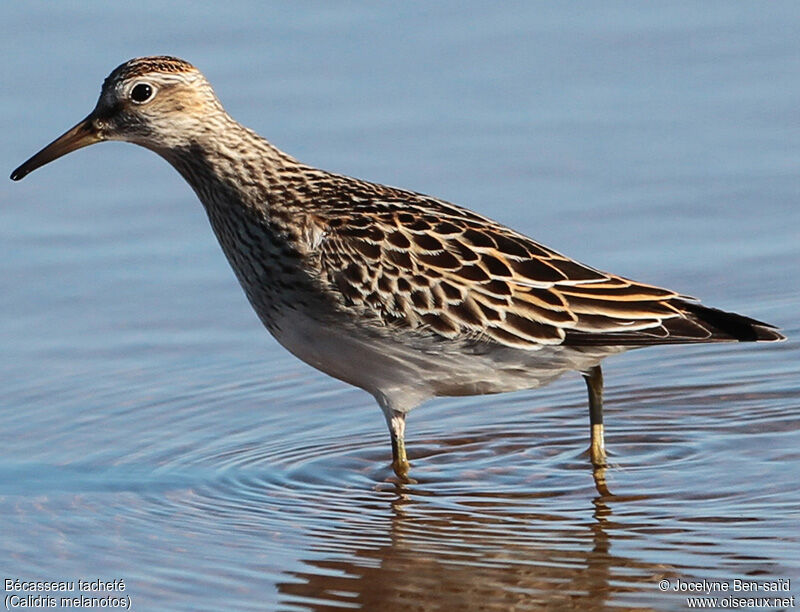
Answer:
(401, 469)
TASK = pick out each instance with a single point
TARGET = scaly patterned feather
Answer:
(403, 259)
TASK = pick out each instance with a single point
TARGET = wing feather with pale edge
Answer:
(442, 268)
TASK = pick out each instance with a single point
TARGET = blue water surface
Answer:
(153, 431)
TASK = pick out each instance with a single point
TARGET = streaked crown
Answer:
(140, 66)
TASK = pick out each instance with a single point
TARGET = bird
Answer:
(404, 295)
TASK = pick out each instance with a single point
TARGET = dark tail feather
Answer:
(729, 325)
(698, 324)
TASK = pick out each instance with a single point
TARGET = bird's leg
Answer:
(594, 383)
(397, 427)
(597, 450)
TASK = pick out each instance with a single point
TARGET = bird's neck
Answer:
(230, 166)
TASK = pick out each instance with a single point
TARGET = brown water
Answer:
(153, 432)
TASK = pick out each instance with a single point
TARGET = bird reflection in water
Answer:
(492, 553)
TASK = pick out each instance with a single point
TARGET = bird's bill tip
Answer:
(81, 135)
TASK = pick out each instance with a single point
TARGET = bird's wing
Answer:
(445, 270)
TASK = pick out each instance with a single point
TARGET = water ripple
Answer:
(153, 432)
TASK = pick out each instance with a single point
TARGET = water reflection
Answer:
(504, 515)
(487, 558)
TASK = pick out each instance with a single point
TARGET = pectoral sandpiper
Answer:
(403, 295)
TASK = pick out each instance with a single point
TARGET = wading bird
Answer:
(401, 294)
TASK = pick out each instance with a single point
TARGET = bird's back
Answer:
(408, 261)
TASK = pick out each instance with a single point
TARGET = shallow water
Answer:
(154, 433)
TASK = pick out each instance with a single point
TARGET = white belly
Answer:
(406, 370)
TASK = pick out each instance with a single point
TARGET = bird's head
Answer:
(157, 102)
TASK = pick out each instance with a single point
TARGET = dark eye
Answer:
(141, 92)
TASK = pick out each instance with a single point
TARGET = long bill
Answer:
(81, 135)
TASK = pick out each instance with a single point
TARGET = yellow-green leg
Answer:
(597, 449)
(397, 429)
(594, 384)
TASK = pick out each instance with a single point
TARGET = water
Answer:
(154, 433)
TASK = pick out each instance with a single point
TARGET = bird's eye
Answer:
(141, 93)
